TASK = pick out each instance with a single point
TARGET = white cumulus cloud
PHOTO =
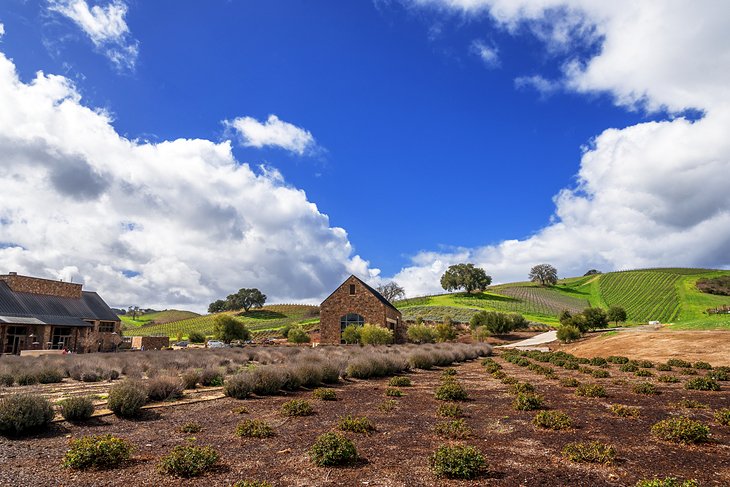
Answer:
(273, 133)
(177, 223)
(487, 53)
(650, 194)
(105, 26)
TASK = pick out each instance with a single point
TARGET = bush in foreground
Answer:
(191, 427)
(127, 398)
(297, 407)
(527, 402)
(553, 420)
(355, 424)
(590, 390)
(79, 408)
(722, 416)
(568, 334)
(375, 335)
(399, 381)
(164, 388)
(254, 428)
(252, 483)
(455, 430)
(324, 394)
(702, 384)
(645, 388)
(449, 410)
(457, 462)
(451, 391)
(20, 413)
(97, 452)
(239, 386)
(681, 430)
(332, 449)
(593, 452)
(188, 461)
(625, 411)
(667, 482)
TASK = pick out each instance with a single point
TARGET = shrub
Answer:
(663, 367)
(99, 452)
(688, 372)
(702, 365)
(393, 392)
(600, 373)
(590, 390)
(625, 411)
(227, 328)
(49, 375)
(420, 333)
(455, 429)
(252, 483)
(421, 360)
(20, 413)
(351, 334)
(554, 420)
(190, 379)
(26, 379)
(509, 380)
(720, 373)
(164, 388)
(593, 452)
(211, 378)
(702, 384)
(598, 361)
(196, 337)
(617, 359)
(127, 398)
(239, 386)
(188, 461)
(645, 364)
(643, 373)
(6, 379)
(254, 428)
(690, 404)
(79, 408)
(388, 405)
(481, 333)
(190, 428)
(568, 333)
(722, 416)
(499, 375)
(681, 430)
(331, 449)
(298, 335)
(451, 391)
(445, 331)
(297, 407)
(449, 410)
(569, 382)
(666, 482)
(675, 362)
(449, 372)
(527, 402)
(375, 335)
(645, 388)
(457, 462)
(521, 387)
(355, 424)
(399, 381)
(629, 367)
(570, 365)
(668, 379)
(324, 394)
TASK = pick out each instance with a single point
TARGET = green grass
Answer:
(158, 317)
(668, 295)
(263, 322)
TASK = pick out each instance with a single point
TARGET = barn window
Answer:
(352, 289)
(106, 327)
(351, 319)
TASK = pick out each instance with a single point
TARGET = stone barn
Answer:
(356, 303)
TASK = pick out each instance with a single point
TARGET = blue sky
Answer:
(420, 146)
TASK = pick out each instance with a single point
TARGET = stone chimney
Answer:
(36, 285)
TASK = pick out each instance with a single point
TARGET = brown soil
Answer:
(709, 346)
(397, 453)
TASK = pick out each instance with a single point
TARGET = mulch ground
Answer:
(397, 453)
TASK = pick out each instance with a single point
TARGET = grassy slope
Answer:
(158, 317)
(266, 320)
(668, 295)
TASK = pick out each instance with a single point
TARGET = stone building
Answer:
(42, 314)
(356, 303)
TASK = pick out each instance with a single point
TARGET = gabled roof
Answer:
(52, 310)
(366, 286)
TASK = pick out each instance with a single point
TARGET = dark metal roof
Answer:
(54, 310)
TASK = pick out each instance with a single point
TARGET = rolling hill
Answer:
(263, 322)
(668, 295)
(158, 317)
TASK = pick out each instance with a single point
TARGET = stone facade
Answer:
(35, 285)
(150, 342)
(356, 297)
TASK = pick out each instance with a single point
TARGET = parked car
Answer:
(216, 344)
(182, 344)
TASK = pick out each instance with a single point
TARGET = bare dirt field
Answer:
(396, 454)
(710, 346)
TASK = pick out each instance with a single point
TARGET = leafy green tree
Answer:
(445, 332)
(351, 334)
(227, 328)
(616, 314)
(465, 276)
(592, 272)
(375, 335)
(391, 291)
(595, 318)
(420, 333)
(569, 333)
(245, 298)
(217, 306)
(497, 323)
(564, 317)
(545, 274)
(297, 335)
(196, 337)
